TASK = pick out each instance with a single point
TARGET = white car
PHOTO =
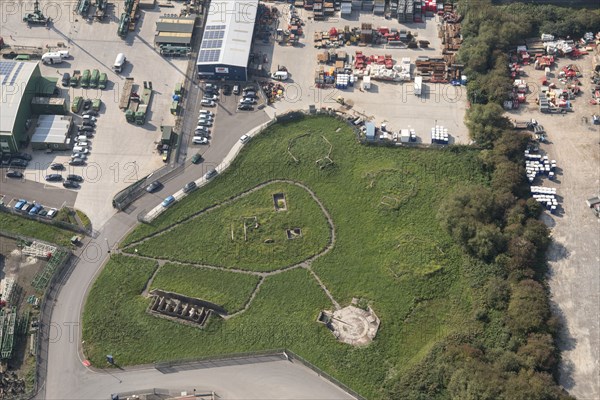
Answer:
(245, 138)
(247, 100)
(78, 155)
(199, 140)
(205, 117)
(206, 112)
(207, 103)
(213, 97)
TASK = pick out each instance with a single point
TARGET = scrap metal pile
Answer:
(273, 91)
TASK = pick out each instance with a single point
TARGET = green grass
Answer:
(38, 230)
(389, 250)
(208, 238)
(85, 220)
(227, 289)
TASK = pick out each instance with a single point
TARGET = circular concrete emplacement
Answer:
(354, 325)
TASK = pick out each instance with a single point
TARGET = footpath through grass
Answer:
(390, 252)
(26, 227)
(248, 233)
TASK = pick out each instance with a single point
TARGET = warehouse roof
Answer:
(14, 76)
(52, 129)
(228, 32)
(173, 37)
(168, 23)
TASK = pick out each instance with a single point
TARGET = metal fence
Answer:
(59, 224)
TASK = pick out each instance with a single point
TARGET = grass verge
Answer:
(26, 227)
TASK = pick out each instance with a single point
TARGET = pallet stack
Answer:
(319, 14)
(346, 7)
(379, 7)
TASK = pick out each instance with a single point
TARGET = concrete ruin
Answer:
(351, 324)
(184, 309)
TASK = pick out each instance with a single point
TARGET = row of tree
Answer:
(508, 351)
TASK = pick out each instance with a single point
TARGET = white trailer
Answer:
(366, 83)
(418, 85)
(52, 58)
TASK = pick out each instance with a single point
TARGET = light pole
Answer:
(107, 245)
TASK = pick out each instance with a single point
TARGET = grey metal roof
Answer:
(51, 129)
(227, 37)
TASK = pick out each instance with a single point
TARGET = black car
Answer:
(245, 107)
(153, 187)
(54, 178)
(86, 128)
(66, 78)
(77, 161)
(22, 156)
(57, 167)
(14, 174)
(226, 90)
(5, 159)
(75, 178)
(189, 187)
(71, 185)
(251, 95)
(87, 104)
(201, 132)
(91, 113)
(88, 123)
(18, 163)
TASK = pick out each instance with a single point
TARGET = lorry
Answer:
(119, 62)
(74, 81)
(85, 78)
(138, 105)
(126, 94)
(76, 104)
(418, 85)
(52, 58)
(95, 75)
(102, 80)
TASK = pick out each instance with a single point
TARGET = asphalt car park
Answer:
(122, 152)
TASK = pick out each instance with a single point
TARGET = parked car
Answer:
(212, 97)
(71, 185)
(190, 186)
(75, 178)
(78, 155)
(208, 103)
(236, 89)
(205, 117)
(203, 123)
(80, 150)
(210, 174)
(52, 213)
(248, 100)
(86, 122)
(43, 212)
(251, 95)
(168, 201)
(87, 104)
(87, 117)
(206, 112)
(153, 187)
(90, 113)
(35, 209)
(199, 140)
(66, 78)
(18, 163)
(245, 107)
(14, 174)
(57, 167)
(226, 90)
(86, 128)
(245, 138)
(6, 157)
(202, 132)
(22, 156)
(26, 208)
(196, 158)
(54, 177)
(77, 161)
(20, 203)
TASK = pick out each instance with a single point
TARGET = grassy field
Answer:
(226, 289)
(218, 237)
(26, 227)
(390, 252)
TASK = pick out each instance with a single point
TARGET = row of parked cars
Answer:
(33, 208)
(85, 132)
(247, 102)
(15, 160)
(72, 181)
(202, 132)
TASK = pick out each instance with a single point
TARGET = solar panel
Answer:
(212, 44)
(214, 35)
(6, 68)
(16, 74)
(209, 55)
(214, 27)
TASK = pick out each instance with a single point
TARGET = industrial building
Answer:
(52, 132)
(19, 82)
(227, 40)
(174, 34)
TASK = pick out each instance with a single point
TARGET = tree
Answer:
(522, 253)
(539, 352)
(528, 307)
(487, 242)
(530, 385)
(486, 123)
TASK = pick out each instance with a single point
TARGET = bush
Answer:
(539, 352)
(486, 123)
(528, 307)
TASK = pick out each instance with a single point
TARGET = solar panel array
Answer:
(212, 43)
(6, 68)
(16, 74)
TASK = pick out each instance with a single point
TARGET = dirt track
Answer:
(574, 257)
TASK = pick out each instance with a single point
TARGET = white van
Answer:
(280, 75)
(52, 58)
(119, 62)
(64, 54)
(82, 138)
